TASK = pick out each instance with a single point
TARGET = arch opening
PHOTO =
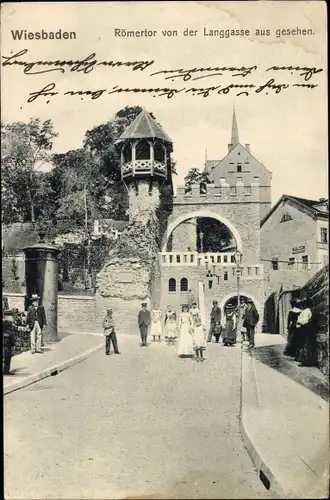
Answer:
(208, 232)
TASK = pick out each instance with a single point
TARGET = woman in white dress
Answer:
(194, 312)
(185, 346)
(199, 338)
(156, 325)
(170, 325)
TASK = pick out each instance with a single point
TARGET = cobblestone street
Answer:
(141, 425)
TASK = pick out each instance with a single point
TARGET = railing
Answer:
(196, 259)
(215, 262)
(142, 167)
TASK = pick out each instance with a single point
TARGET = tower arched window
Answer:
(184, 285)
(127, 153)
(172, 285)
(159, 152)
(142, 150)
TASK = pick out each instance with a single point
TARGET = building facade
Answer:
(294, 240)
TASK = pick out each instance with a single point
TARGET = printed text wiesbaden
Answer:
(43, 35)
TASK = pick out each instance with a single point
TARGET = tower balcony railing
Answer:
(213, 262)
(141, 167)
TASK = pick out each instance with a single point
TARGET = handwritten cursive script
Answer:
(85, 65)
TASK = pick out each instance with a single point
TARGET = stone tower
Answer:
(145, 151)
(132, 271)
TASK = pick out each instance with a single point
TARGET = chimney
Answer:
(247, 147)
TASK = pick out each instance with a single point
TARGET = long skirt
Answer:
(185, 345)
(229, 333)
(308, 355)
(156, 328)
(171, 330)
(291, 346)
(199, 340)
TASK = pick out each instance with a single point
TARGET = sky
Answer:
(287, 131)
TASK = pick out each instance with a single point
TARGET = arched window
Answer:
(127, 153)
(142, 150)
(184, 285)
(171, 285)
(159, 152)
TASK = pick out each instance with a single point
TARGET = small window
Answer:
(305, 261)
(257, 271)
(233, 191)
(275, 265)
(248, 190)
(286, 217)
(232, 259)
(324, 235)
(184, 285)
(239, 168)
(249, 271)
(291, 263)
(210, 284)
(225, 258)
(219, 259)
(178, 259)
(225, 276)
(171, 285)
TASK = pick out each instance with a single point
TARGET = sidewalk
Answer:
(285, 420)
(71, 349)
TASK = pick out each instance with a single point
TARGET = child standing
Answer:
(156, 325)
(199, 338)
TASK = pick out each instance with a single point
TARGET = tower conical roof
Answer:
(144, 127)
(234, 131)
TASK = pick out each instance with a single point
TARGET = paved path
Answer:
(25, 366)
(141, 425)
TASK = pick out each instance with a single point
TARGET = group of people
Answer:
(243, 319)
(188, 329)
(301, 340)
(34, 321)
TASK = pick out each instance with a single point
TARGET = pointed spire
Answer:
(234, 131)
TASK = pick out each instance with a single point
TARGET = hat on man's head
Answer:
(34, 297)
(144, 304)
(249, 301)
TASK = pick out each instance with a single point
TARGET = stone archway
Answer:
(229, 296)
(201, 213)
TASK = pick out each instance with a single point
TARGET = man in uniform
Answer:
(144, 321)
(215, 322)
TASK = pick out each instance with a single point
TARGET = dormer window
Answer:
(286, 217)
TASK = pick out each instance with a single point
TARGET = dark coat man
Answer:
(8, 336)
(215, 322)
(251, 318)
(144, 321)
(108, 326)
(36, 321)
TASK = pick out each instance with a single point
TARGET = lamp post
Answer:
(238, 259)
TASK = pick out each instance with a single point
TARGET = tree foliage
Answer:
(25, 148)
(195, 176)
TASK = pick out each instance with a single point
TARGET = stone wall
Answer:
(131, 273)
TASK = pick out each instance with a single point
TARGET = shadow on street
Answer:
(310, 377)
